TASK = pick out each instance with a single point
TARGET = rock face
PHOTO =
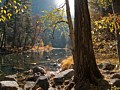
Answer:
(8, 85)
(64, 75)
(28, 85)
(106, 66)
(42, 82)
(115, 82)
(39, 69)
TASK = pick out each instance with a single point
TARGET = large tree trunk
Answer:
(116, 11)
(85, 66)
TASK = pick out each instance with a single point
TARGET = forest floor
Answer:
(107, 66)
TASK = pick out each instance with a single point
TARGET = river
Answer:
(19, 62)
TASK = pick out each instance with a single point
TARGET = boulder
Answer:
(64, 75)
(33, 77)
(108, 66)
(42, 82)
(28, 85)
(69, 86)
(116, 75)
(9, 85)
(51, 88)
(10, 78)
(50, 74)
(39, 69)
(115, 82)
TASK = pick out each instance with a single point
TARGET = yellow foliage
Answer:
(45, 48)
(67, 63)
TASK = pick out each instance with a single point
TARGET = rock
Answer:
(116, 75)
(64, 75)
(100, 65)
(42, 82)
(11, 77)
(8, 85)
(30, 78)
(20, 89)
(21, 78)
(39, 69)
(28, 72)
(108, 66)
(115, 82)
(51, 88)
(108, 72)
(50, 74)
(66, 82)
(28, 85)
(33, 78)
(69, 86)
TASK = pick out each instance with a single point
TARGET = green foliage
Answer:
(10, 7)
(50, 19)
(53, 21)
(16, 24)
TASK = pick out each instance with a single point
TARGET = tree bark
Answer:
(70, 24)
(86, 70)
(116, 12)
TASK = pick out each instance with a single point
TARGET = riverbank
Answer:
(9, 50)
(41, 78)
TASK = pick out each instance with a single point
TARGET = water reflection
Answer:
(10, 64)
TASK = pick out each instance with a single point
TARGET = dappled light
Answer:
(59, 45)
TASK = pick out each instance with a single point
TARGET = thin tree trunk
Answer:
(14, 34)
(3, 42)
(86, 70)
(70, 24)
(116, 12)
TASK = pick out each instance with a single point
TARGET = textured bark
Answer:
(85, 66)
(116, 12)
(70, 24)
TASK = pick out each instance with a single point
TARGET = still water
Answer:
(18, 62)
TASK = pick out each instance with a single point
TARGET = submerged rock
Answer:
(8, 85)
(64, 75)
